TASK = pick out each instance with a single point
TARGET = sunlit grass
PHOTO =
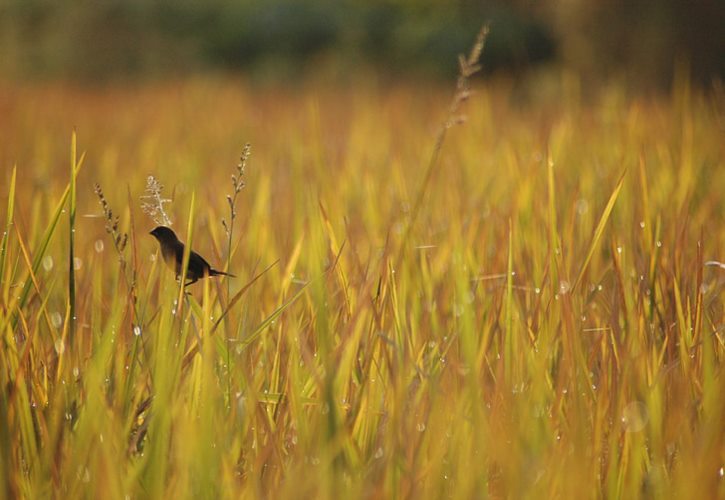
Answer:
(547, 326)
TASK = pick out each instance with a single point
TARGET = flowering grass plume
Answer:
(238, 184)
(119, 238)
(152, 203)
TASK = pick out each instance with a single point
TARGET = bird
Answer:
(172, 250)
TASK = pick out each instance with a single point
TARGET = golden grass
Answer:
(547, 327)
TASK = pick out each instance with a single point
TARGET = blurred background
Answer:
(642, 42)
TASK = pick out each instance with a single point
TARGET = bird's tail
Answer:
(214, 272)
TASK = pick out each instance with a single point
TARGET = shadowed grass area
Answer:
(546, 327)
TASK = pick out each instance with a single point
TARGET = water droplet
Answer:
(619, 250)
(420, 427)
(76, 372)
(564, 287)
(634, 416)
(537, 290)
(379, 453)
(59, 346)
(137, 330)
(641, 224)
(98, 246)
(659, 244)
(47, 262)
(582, 206)
(77, 263)
(56, 319)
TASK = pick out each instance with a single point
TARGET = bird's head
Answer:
(164, 234)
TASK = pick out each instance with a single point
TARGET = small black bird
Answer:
(172, 251)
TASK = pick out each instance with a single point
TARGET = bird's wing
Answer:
(198, 267)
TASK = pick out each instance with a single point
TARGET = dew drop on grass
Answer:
(619, 250)
(420, 427)
(98, 246)
(137, 330)
(634, 416)
(659, 244)
(564, 287)
(379, 453)
(537, 290)
(47, 262)
(76, 372)
(56, 319)
(582, 206)
(641, 224)
(721, 472)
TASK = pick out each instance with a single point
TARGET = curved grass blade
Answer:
(9, 221)
(600, 228)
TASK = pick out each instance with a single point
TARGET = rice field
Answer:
(527, 304)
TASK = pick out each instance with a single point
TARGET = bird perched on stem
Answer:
(172, 251)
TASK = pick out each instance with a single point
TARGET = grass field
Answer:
(541, 317)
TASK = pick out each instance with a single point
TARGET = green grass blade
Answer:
(47, 236)
(509, 341)
(71, 239)
(9, 221)
(264, 324)
(600, 228)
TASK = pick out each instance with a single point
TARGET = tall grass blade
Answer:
(600, 229)
(71, 240)
(8, 223)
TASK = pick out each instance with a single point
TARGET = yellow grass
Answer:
(545, 327)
